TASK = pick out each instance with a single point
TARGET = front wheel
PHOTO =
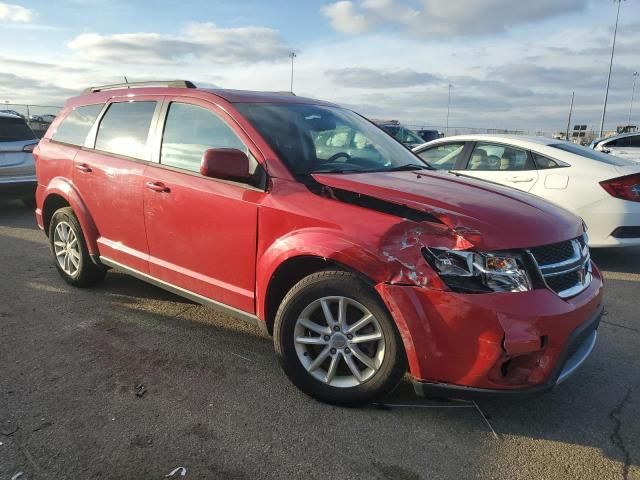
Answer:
(336, 340)
(70, 252)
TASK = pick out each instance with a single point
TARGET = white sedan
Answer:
(604, 190)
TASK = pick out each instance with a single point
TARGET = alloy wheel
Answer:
(339, 341)
(67, 248)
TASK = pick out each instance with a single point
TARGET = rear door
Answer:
(503, 164)
(110, 177)
(202, 232)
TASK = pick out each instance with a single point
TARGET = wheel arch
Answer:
(61, 193)
(290, 272)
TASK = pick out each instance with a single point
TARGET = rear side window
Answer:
(124, 129)
(189, 131)
(14, 130)
(75, 126)
(635, 141)
(497, 157)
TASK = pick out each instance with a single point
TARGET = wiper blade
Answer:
(409, 167)
(338, 170)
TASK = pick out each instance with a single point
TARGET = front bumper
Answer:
(511, 343)
(580, 346)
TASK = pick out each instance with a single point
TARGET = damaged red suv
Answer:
(360, 260)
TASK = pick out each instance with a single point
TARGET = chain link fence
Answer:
(39, 117)
(456, 130)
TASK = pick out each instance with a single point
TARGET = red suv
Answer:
(304, 217)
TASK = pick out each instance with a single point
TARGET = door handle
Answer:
(83, 167)
(520, 179)
(157, 187)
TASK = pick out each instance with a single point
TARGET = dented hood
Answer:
(490, 216)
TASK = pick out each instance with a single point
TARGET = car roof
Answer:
(10, 115)
(230, 95)
(506, 138)
(618, 135)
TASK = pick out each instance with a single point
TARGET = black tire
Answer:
(338, 283)
(88, 273)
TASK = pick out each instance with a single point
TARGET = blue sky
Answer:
(512, 64)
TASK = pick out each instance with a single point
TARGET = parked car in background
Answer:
(602, 189)
(405, 136)
(12, 112)
(429, 135)
(17, 169)
(625, 145)
(360, 266)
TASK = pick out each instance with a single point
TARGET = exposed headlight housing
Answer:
(473, 272)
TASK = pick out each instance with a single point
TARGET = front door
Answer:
(202, 232)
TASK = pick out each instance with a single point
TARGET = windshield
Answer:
(14, 130)
(592, 154)
(315, 139)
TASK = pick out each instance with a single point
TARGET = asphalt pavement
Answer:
(126, 381)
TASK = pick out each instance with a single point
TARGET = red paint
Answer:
(225, 240)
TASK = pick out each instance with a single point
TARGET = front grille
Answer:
(565, 266)
(554, 253)
(563, 282)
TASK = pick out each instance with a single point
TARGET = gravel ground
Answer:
(127, 381)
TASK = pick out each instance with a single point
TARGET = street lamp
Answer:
(633, 93)
(292, 55)
(448, 108)
(613, 49)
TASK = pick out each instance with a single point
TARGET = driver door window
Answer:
(502, 164)
(443, 157)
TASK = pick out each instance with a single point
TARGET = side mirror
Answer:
(225, 163)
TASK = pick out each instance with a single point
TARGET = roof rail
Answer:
(151, 83)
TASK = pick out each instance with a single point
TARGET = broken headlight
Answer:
(472, 272)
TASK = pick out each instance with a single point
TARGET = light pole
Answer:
(292, 55)
(633, 93)
(613, 49)
(570, 113)
(448, 108)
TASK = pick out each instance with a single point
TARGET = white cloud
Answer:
(198, 41)
(344, 18)
(435, 18)
(378, 78)
(15, 13)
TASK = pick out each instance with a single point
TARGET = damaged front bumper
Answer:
(466, 346)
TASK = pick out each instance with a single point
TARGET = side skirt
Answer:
(194, 297)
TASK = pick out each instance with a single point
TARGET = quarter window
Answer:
(495, 157)
(124, 129)
(191, 130)
(443, 157)
(76, 126)
(543, 162)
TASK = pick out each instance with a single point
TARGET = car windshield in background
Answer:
(320, 139)
(14, 130)
(592, 154)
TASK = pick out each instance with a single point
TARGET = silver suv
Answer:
(625, 145)
(17, 168)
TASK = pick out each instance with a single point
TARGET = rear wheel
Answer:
(70, 251)
(336, 340)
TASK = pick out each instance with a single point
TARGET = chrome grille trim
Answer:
(579, 262)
